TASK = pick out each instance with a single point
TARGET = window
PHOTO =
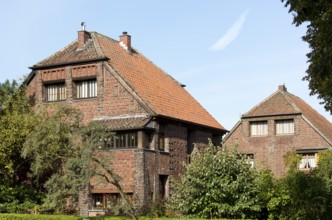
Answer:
(285, 126)
(258, 128)
(121, 140)
(55, 92)
(163, 186)
(86, 89)
(250, 159)
(109, 200)
(161, 144)
(308, 161)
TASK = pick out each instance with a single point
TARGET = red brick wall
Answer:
(112, 99)
(122, 164)
(269, 150)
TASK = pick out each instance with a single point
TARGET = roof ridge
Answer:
(96, 44)
(285, 94)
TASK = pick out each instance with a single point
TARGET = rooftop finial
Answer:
(83, 25)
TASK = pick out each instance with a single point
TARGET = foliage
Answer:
(218, 183)
(16, 122)
(299, 195)
(7, 89)
(318, 17)
(64, 156)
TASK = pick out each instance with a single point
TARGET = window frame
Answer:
(59, 92)
(284, 127)
(259, 132)
(122, 140)
(306, 164)
(83, 88)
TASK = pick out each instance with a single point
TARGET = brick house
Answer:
(281, 123)
(155, 119)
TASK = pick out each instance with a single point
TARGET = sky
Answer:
(231, 55)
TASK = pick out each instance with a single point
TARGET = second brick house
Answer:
(282, 122)
(155, 119)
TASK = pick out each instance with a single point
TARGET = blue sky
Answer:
(230, 54)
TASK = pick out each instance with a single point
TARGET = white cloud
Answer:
(231, 33)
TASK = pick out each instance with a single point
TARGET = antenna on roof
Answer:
(83, 25)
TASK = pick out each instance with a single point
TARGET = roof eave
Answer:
(270, 115)
(85, 61)
(220, 130)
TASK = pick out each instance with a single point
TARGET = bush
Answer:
(217, 184)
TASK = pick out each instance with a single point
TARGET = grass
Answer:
(71, 217)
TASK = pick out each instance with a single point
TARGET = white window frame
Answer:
(259, 128)
(86, 89)
(285, 127)
(308, 161)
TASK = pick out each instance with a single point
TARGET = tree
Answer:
(217, 184)
(318, 17)
(16, 122)
(64, 158)
(299, 195)
(7, 89)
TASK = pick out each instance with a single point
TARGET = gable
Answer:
(276, 104)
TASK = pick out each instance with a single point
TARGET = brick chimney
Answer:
(83, 37)
(282, 88)
(125, 41)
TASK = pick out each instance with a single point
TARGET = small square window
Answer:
(258, 128)
(56, 92)
(308, 161)
(285, 126)
(86, 89)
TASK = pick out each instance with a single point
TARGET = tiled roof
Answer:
(163, 95)
(70, 54)
(276, 104)
(284, 103)
(124, 122)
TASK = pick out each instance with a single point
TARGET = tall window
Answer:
(56, 92)
(161, 144)
(285, 126)
(86, 89)
(308, 161)
(258, 128)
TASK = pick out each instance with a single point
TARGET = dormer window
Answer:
(86, 89)
(56, 92)
(284, 127)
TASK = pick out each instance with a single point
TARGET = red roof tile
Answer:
(71, 54)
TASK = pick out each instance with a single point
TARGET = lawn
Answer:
(70, 217)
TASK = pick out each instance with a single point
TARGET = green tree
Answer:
(7, 89)
(16, 122)
(317, 15)
(217, 184)
(65, 155)
(299, 195)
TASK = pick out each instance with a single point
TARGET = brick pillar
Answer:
(140, 192)
(84, 201)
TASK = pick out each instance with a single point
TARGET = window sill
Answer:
(56, 101)
(84, 99)
(285, 134)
